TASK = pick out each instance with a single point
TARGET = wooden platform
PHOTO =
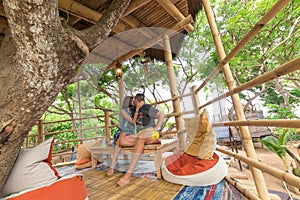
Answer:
(101, 186)
(155, 150)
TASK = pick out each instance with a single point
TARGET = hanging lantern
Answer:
(118, 70)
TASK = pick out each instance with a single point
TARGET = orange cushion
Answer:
(71, 188)
(82, 161)
(183, 164)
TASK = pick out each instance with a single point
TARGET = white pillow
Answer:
(33, 168)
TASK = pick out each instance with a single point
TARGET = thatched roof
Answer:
(141, 14)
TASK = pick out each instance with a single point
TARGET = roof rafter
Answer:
(175, 13)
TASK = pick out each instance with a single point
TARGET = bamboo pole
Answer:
(195, 100)
(69, 120)
(174, 90)
(246, 137)
(175, 13)
(134, 5)
(107, 126)
(257, 27)
(242, 189)
(286, 123)
(284, 69)
(121, 90)
(84, 12)
(40, 131)
(282, 175)
(80, 134)
(171, 99)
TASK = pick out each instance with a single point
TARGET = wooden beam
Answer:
(134, 5)
(84, 12)
(174, 12)
(153, 41)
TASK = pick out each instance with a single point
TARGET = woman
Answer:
(127, 136)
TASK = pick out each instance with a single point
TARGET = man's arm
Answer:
(160, 116)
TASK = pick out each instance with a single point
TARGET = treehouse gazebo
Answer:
(155, 30)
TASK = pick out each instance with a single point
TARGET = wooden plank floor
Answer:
(100, 186)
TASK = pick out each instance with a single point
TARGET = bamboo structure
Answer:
(252, 33)
(195, 100)
(79, 132)
(40, 132)
(173, 90)
(174, 17)
(175, 13)
(287, 123)
(121, 90)
(107, 125)
(284, 69)
(242, 189)
(152, 41)
(246, 137)
(282, 175)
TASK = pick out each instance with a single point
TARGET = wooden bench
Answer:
(155, 150)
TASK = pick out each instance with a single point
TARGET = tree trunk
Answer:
(38, 58)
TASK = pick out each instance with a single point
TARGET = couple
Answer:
(135, 114)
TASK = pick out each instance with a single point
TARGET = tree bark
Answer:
(38, 58)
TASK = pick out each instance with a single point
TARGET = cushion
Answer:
(184, 169)
(83, 155)
(201, 137)
(183, 164)
(69, 187)
(33, 168)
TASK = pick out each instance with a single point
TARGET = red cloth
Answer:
(182, 164)
(68, 189)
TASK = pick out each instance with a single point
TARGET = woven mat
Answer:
(101, 186)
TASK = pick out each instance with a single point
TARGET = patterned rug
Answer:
(143, 168)
(220, 191)
(68, 170)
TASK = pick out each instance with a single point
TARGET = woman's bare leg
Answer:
(123, 140)
(138, 150)
(117, 149)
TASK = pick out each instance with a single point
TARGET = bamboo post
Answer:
(107, 126)
(260, 184)
(174, 91)
(80, 111)
(40, 131)
(195, 100)
(121, 90)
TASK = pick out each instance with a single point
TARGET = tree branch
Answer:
(101, 30)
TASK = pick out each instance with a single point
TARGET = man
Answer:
(145, 126)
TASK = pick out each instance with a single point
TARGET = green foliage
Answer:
(61, 137)
(276, 144)
(277, 111)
